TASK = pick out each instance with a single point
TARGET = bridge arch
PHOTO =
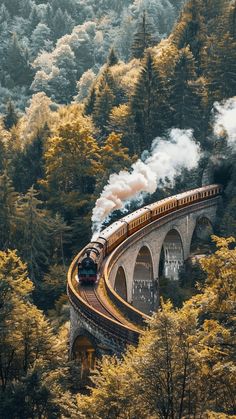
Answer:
(120, 285)
(201, 233)
(84, 351)
(172, 255)
(143, 281)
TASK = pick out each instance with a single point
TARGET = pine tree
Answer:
(29, 162)
(90, 101)
(181, 92)
(8, 212)
(11, 116)
(105, 100)
(191, 31)
(34, 231)
(142, 38)
(34, 18)
(112, 58)
(148, 104)
(17, 63)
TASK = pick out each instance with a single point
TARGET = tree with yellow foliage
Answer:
(184, 365)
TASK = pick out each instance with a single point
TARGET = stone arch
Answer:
(120, 285)
(201, 234)
(172, 255)
(143, 281)
(84, 352)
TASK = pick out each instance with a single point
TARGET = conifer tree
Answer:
(29, 162)
(148, 104)
(90, 101)
(11, 116)
(181, 92)
(142, 38)
(17, 63)
(34, 230)
(112, 58)
(104, 102)
(8, 212)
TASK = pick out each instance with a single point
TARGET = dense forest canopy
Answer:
(86, 87)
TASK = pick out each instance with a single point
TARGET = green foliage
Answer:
(142, 38)
(11, 116)
(8, 211)
(17, 63)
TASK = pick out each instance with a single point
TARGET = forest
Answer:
(86, 87)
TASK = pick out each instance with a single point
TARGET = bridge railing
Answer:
(108, 325)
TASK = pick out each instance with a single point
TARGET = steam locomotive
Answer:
(93, 255)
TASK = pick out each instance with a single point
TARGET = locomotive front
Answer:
(88, 269)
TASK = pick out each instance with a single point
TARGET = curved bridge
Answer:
(105, 318)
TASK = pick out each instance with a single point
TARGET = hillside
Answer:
(95, 95)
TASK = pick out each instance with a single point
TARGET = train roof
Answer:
(112, 229)
(161, 202)
(197, 190)
(136, 214)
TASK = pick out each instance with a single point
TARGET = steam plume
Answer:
(166, 159)
(225, 120)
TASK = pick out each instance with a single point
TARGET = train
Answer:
(94, 253)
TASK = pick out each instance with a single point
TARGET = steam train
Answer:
(93, 255)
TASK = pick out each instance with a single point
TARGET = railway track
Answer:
(90, 295)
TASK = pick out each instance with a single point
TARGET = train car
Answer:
(137, 219)
(196, 195)
(186, 198)
(114, 235)
(209, 191)
(163, 207)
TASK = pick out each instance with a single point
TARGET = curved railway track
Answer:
(90, 295)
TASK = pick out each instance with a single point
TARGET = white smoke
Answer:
(166, 159)
(225, 120)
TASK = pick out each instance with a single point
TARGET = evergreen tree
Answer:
(181, 92)
(29, 162)
(105, 100)
(112, 58)
(191, 31)
(40, 38)
(17, 63)
(221, 67)
(8, 212)
(34, 231)
(62, 23)
(11, 116)
(142, 38)
(148, 104)
(90, 101)
(34, 17)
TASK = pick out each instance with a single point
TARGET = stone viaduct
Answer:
(130, 279)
